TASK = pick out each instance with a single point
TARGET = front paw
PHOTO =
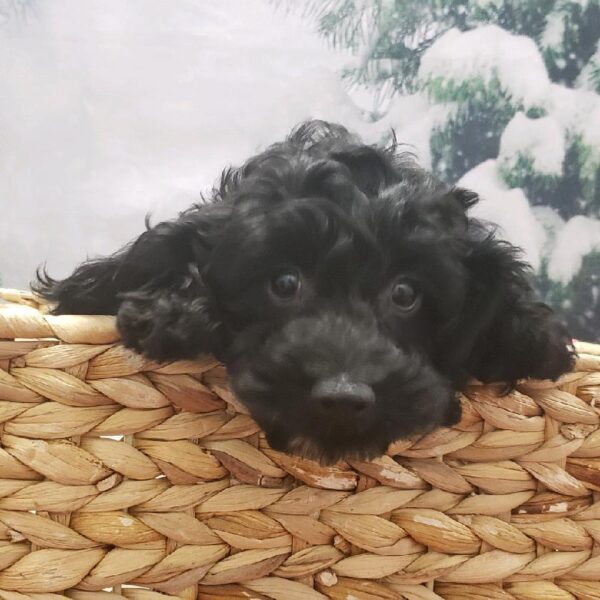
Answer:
(532, 345)
(453, 413)
(157, 326)
(553, 355)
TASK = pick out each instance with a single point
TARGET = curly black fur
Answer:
(337, 370)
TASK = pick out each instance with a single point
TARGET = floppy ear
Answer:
(154, 286)
(505, 333)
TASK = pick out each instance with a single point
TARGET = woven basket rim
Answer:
(191, 502)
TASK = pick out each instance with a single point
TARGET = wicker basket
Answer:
(150, 480)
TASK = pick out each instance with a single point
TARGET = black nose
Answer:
(341, 395)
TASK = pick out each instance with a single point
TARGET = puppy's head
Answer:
(356, 296)
(347, 291)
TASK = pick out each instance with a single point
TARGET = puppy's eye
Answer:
(286, 285)
(405, 297)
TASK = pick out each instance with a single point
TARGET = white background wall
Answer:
(110, 109)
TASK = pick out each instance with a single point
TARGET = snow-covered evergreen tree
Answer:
(503, 96)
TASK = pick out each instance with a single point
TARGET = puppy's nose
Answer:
(341, 395)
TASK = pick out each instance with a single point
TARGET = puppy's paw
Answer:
(159, 326)
(453, 413)
(553, 354)
(534, 344)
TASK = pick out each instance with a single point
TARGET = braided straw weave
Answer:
(151, 481)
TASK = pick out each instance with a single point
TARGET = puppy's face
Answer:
(347, 291)
(335, 318)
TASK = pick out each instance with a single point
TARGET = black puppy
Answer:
(346, 290)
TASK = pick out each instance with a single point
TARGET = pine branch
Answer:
(595, 76)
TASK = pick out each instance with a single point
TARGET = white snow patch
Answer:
(542, 140)
(489, 52)
(413, 118)
(580, 236)
(591, 132)
(554, 31)
(573, 107)
(552, 223)
(586, 79)
(507, 208)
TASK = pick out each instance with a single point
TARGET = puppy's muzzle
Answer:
(340, 396)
